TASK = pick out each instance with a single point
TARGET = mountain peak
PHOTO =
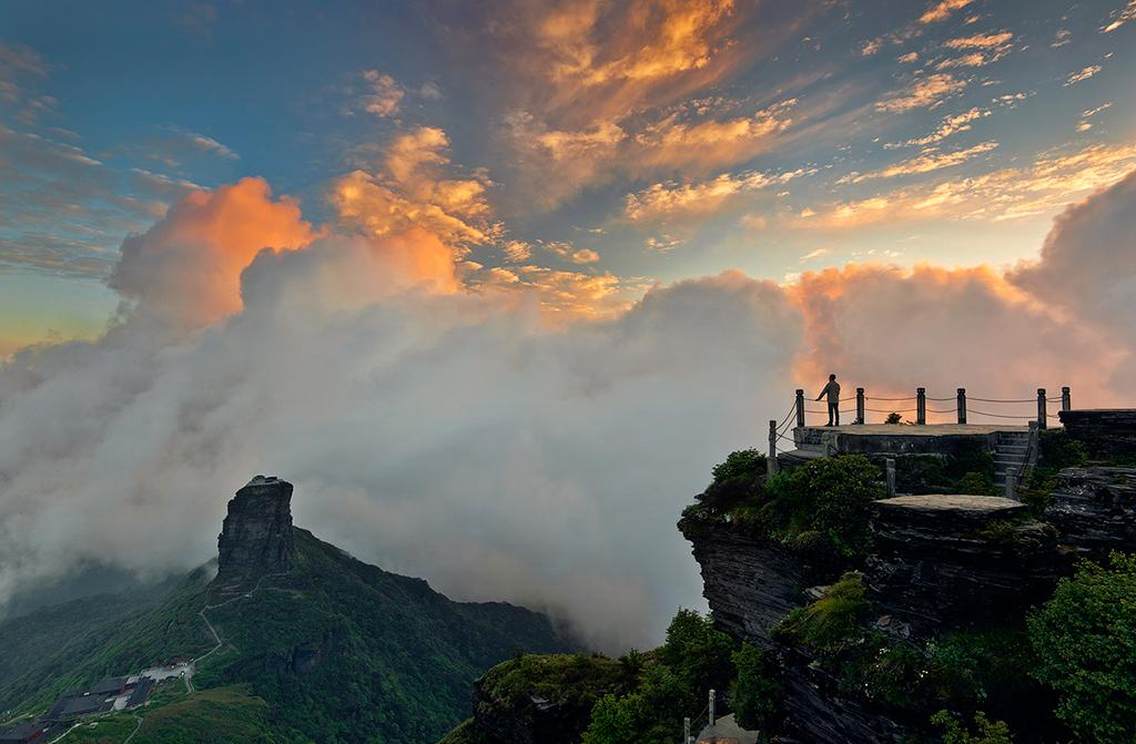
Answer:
(256, 538)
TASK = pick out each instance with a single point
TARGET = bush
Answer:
(748, 463)
(1085, 640)
(650, 715)
(738, 480)
(893, 418)
(756, 694)
(833, 622)
(831, 496)
(698, 654)
(986, 731)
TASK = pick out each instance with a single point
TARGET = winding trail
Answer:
(213, 631)
(135, 731)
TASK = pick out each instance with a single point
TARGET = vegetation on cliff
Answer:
(819, 509)
(1084, 640)
(640, 697)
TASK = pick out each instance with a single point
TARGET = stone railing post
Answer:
(1041, 417)
(859, 406)
(961, 405)
(712, 717)
(800, 407)
(686, 730)
(771, 463)
(889, 469)
(1066, 399)
(921, 406)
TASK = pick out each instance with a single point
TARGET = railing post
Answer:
(800, 407)
(889, 473)
(921, 406)
(686, 731)
(1066, 400)
(859, 406)
(712, 717)
(771, 463)
(961, 405)
(1041, 417)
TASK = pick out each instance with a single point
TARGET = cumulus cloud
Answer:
(185, 271)
(355, 364)
(1087, 265)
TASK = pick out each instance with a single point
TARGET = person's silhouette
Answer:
(832, 392)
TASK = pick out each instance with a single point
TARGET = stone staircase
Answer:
(1011, 449)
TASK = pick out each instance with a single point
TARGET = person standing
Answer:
(832, 392)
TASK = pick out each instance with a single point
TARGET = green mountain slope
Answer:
(340, 651)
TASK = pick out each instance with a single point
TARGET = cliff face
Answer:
(945, 561)
(1094, 509)
(1105, 432)
(749, 583)
(256, 537)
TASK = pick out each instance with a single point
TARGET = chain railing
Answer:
(999, 411)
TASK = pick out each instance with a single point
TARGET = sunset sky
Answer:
(581, 150)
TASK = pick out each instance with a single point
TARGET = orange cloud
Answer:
(930, 160)
(928, 92)
(185, 270)
(670, 199)
(412, 188)
(942, 10)
(1052, 181)
(936, 327)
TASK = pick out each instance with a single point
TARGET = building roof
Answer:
(141, 692)
(726, 731)
(78, 705)
(108, 686)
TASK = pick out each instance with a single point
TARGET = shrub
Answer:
(650, 715)
(893, 418)
(986, 731)
(738, 480)
(1085, 641)
(833, 622)
(748, 463)
(831, 496)
(756, 694)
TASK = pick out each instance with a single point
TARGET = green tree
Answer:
(697, 653)
(756, 693)
(985, 731)
(1085, 641)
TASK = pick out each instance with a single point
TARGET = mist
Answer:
(446, 430)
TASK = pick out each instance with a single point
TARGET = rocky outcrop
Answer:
(816, 711)
(749, 583)
(256, 537)
(1094, 509)
(945, 561)
(1105, 432)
